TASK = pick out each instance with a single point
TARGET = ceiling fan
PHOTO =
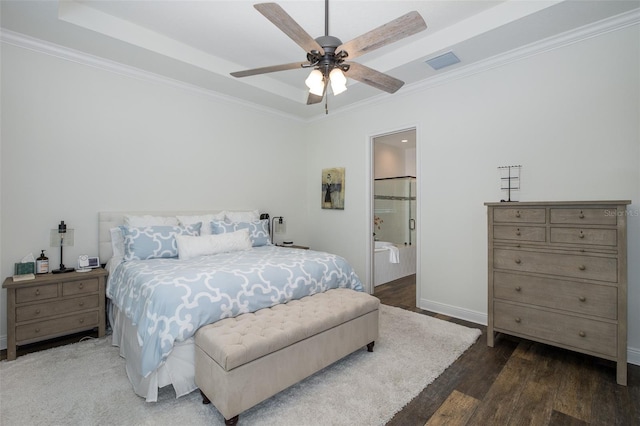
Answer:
(327, 54)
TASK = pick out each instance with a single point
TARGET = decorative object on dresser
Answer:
(62, 237)
(54, 305)
(558, 275)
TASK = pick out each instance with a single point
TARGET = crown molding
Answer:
(41, 46)
(586, 32)
(604, 26)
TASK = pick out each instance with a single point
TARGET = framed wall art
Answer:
(333, 188)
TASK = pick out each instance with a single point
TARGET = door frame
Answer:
(370, 265)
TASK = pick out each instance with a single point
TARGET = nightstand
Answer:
(294, 246)
(53, 305)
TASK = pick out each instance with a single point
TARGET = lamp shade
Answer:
(315, 82)
(338, 81)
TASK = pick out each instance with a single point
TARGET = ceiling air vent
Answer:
(443, 60)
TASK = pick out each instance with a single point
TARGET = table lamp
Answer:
(62, 237)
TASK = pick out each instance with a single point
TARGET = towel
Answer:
(394, 254)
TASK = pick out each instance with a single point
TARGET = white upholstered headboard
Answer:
(108, 220)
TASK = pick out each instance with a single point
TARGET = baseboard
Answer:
(633, 354)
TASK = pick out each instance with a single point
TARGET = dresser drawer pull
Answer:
(582, 267)
(518, 320)
(81, 304)
(518, 232)
(582, 334)
(81, 285)
(581, 235)
(581, 215)
(37, 330)
(518, 261)
(582, 299)
(37, 311)
(81, 320)
(37, 292)
(518, 288)
(517, 213)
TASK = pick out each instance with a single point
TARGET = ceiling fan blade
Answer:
(373, 78)
(265, 70)
(404, 26)
(282, 20)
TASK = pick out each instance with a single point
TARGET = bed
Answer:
(225, 266)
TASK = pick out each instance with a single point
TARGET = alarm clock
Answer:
(87, 263)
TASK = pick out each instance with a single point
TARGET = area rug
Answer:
(86, 384)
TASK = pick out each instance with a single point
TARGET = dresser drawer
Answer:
(603, 237)
(584, 334)
(517, 215)
(79, 287)
(589, 299)
(587, 216)
(30, 294)
(57, 326)
(568, 265)
(519, 233)
(44, 310)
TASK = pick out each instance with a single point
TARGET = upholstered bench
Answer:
(241, 361)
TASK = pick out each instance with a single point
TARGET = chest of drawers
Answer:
(54, 305)
(558, 275)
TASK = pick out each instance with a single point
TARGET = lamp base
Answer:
(62, 270)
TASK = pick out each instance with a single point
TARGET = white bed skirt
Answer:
(178, 369)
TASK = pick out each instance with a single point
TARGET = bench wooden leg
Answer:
(205, 400)
(232, 420)
(370, 346)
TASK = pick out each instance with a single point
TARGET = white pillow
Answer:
(189, 247)
(248, 216)
(205, 219)
(149, 220)
(117, 242)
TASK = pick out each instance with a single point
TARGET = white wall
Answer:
(78, 140)
(569, 116)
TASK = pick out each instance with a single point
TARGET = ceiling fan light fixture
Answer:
(315, 82)
(338, 81)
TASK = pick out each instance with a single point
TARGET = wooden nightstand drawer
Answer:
(604, 237)
(520, 215)
(589, 299)
(587, 216)
(519, 233)
(57, 326)
(567, 265)
(80, 287)
(582, 333)
(44, 310)
(30, 294)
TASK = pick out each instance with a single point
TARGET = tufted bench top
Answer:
(233, 342)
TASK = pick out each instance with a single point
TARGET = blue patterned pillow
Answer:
(258, 230)
(154, 242)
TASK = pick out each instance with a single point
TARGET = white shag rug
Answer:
(86, 384)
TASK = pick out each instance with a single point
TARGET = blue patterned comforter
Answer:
(169, 299)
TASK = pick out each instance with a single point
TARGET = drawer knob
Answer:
(518, 288)
(581, 216)
(518, 320)
(37, 292)
(582, 267)
(81, 285)
(518, 261)
(37, 330)
(81, 304)
(582, 299)
(582, 333)
(518, 232)
(81, 320)
(581, 235)
(37, 311)
(517, 213)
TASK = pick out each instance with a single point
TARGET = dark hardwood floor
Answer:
(517, 382)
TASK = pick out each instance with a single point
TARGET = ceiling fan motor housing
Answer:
(330, 59)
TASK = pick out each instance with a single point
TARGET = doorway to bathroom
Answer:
(394, 207)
